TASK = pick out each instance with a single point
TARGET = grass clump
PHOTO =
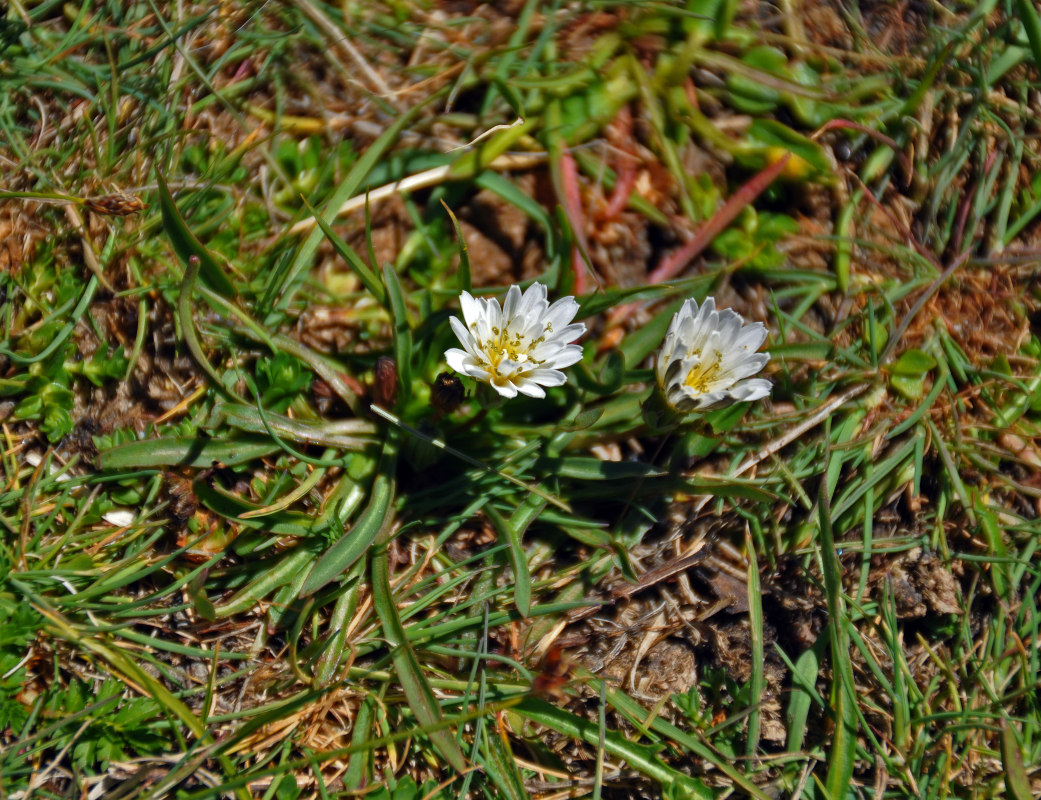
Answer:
(258, 541)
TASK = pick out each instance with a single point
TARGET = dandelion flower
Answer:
(707, 356)
(519, 348)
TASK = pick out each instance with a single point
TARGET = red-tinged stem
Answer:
(620, 134)
(675, 263)
(573, 208)
(623, 187)
(579, 265)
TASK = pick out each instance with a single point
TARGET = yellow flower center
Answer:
(500, 347)
(703, 374)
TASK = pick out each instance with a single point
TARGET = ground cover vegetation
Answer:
(257, 539)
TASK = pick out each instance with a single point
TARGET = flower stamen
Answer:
(523, 354)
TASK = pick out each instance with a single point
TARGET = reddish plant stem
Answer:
(671, 265)
(573, 208)
(623, 187)
(620, 135)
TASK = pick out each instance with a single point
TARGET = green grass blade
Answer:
(186, 245)
(844, 700)
(347, 189)
(755, 621)
(502, 767)
(356, 542)
(420, 696)
(463, 280)
(638, 715)
(368, 278)
(185, 451)
(640, 757)
(288, 566)
(512, 530)
(402, 332)
(1016, 781)
(1031, 20)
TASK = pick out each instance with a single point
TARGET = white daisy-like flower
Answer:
(520, 347)
(707, 356)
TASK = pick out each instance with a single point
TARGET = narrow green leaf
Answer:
(512, 530)
(402, 332)
(803, 693)
(913, 363)
(641, 757)
(1031, 20)
(365, 274)
(755, 622)
(420, 696)
(347, 189)
(593, 469)
(356, 542)
(502, 767)
(1016, 780)
(186, 245)
(745, 488)
(359, 768)
(328, 663)
(583, 419)
(288, 565)
(508, 191)
(187, 323)
(637, 714)
(844, 700)
(463, 281)
(185, 451)
(350, 434)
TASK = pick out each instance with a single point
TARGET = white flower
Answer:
(707, 355)
(520, 347)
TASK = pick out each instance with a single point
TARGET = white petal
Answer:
(533, 303)
(530, 388)
(730, 323)
(565, 357)
(470, 307)
(568, 333)
(457, 359)
(505, 388)
(751, 337)
(464, 336)
(708, 308)
(120, 517)
(509, 306)
(548, 377)
(708, 400)
(755, 389)
(561, 313)
(491, 321)
(478, 372)
(749, 365)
